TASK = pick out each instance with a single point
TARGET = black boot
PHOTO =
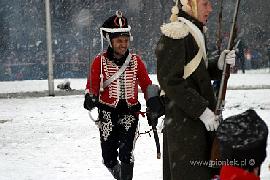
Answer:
(115, 170)
(126, 171)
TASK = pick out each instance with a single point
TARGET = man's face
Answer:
(120, 45)
(204, 8)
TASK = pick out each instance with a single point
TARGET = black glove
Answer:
(90, 101)
(152, 121)
(155, 109)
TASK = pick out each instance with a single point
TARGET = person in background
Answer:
(268, 53)
(240, 56)
(243, 140)
(185, 75)
(112, 86)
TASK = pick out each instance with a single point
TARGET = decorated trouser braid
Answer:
(117, 131)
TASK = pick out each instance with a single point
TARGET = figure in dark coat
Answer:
(240, 55)
(185, 75)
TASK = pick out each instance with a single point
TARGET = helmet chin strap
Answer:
(108, 39)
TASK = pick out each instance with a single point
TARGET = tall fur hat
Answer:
(243, 139)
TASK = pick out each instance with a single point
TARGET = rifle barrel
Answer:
(226, 68)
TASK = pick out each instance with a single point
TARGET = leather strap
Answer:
(118, 73)
(199, 38)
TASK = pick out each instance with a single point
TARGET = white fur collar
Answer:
(175, 30)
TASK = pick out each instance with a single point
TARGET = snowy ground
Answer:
(236, 81)
(53, 138)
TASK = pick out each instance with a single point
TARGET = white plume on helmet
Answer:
(192, 10)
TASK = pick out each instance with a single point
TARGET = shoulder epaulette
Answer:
(175, 30)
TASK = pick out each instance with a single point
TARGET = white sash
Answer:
(118, 73)
(197, 34)
(199, 38)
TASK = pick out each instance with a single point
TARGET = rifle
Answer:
(219, 39)
(216, 83)
(226, 68)
(215, 152)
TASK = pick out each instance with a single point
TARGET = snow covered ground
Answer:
(237, 81)
(53, 138)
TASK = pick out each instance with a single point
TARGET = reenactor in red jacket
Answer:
(112, 86)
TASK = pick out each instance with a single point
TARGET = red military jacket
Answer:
(236, 173)
(135, 74)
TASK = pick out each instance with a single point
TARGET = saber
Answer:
(154, 128)
(91, 117)
(95, 120)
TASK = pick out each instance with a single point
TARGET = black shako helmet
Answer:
(114, 26)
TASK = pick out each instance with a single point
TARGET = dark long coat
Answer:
(186, 140)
